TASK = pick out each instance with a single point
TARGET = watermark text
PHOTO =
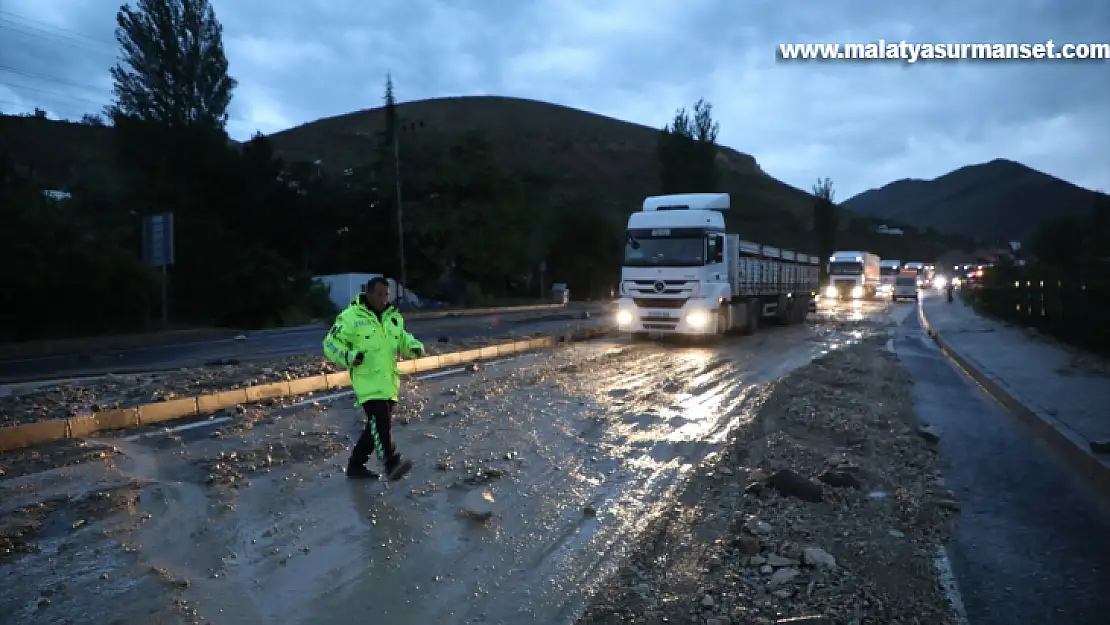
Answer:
(907, 52)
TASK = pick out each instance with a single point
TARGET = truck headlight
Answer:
(857, 292)
(697, 319)
(830, 291)
(624, 318)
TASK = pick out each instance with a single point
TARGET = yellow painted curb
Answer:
(27, 435)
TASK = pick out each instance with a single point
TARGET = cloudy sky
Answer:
(862, 124)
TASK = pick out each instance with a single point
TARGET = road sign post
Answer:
(158, 252)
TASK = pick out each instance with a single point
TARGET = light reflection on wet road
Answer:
(607, 425)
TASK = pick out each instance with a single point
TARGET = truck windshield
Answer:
(888, 271)
(905, 281)
(846, 269)
(666, 251)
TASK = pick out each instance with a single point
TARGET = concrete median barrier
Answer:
(28, 435)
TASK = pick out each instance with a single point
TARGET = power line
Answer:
(44, 77)
(28, 31)
(14, 86)
(42, 24)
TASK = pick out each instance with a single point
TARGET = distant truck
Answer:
(683, 274)
(888, 272)
(924, 272)
(853, 275)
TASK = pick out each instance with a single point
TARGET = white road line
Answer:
(180, 428)
(303, 402)
(950, 586)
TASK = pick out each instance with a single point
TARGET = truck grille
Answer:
(659, 302)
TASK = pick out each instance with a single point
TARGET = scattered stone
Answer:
(791, 484)
(818, 558)
(782, 576)
(896, 533)
(840, 479)
(930, 433)
(746, 545)
(778, 561)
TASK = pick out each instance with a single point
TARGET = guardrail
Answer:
(30, 434)
(1068, 308)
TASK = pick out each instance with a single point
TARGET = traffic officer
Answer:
(366, 339)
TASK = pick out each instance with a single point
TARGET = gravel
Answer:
(828, 505)
(110, 392)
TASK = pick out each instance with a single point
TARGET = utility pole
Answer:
(403, 282)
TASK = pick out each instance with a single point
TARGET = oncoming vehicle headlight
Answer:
(624, 317)
(697, 319)
(830, 291)
(857, 292)
(940, 282)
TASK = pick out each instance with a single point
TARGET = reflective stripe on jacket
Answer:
(358, 330)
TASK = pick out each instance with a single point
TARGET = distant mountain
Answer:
(1000, 199)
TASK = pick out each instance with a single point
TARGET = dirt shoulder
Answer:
(828, 505)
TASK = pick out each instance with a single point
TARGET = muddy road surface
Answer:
(533, 478)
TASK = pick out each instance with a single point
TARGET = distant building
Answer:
(57, 196)
(884, 229)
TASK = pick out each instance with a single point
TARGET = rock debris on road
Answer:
(825, 505)
(533, 479)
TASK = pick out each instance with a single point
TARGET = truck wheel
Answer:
(724, 320)
(801, 310)
(755, 312)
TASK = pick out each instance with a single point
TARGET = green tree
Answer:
(172, 70)
(687, 151)
(824, 220)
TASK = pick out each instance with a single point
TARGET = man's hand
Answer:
(358, 359)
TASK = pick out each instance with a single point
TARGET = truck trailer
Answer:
(853, 275)
(684, 275)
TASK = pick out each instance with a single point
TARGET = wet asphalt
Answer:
(1032, 541)
(269, 343)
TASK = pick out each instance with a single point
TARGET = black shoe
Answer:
(358, 471)
(397, 468)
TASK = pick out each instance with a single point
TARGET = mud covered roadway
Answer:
(535, 477)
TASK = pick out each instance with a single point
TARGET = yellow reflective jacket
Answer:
(379, 339)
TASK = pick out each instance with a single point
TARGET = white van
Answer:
(905, 287)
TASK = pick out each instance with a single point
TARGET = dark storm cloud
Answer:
(863, 124)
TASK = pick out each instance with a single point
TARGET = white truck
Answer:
(684, 275)
(888, 273)
(853, 275)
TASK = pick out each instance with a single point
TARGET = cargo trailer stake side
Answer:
(684, 275)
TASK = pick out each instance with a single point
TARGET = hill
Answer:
(558, 148)
(996, 200)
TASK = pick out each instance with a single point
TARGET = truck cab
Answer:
(853, 275)
(888, 272)
(674, 267)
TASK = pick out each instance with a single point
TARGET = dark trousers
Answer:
(377, 437)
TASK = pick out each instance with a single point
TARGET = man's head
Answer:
(377, 293)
